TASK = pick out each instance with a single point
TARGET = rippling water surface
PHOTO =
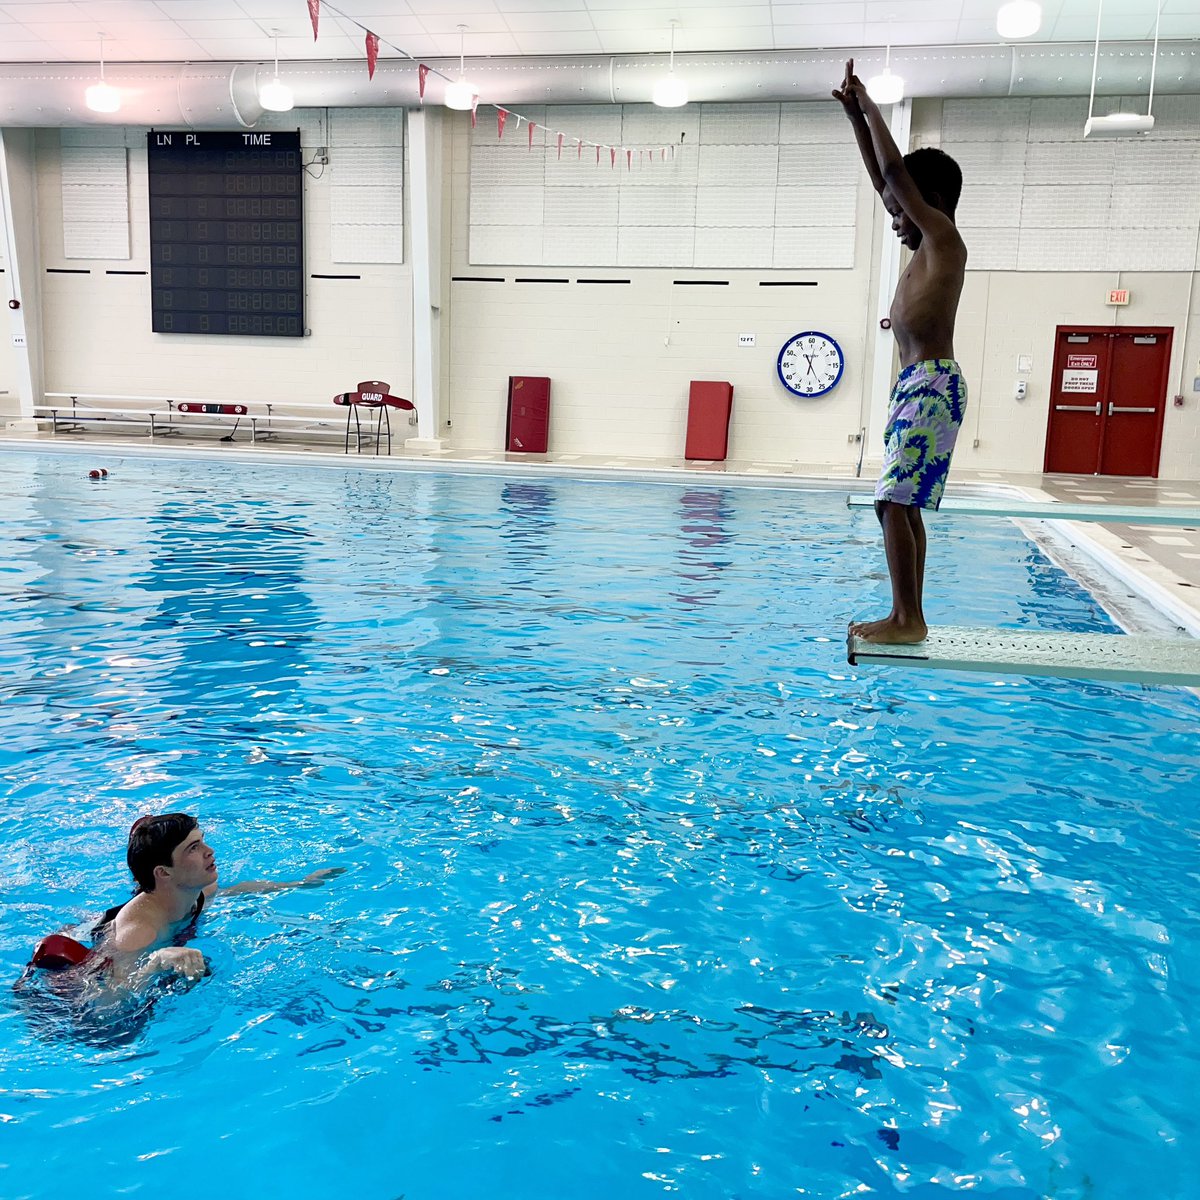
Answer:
(646, 891)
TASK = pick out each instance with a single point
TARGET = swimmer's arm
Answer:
(848, 97)
(936, 228)
(127, 966)
(262, 886)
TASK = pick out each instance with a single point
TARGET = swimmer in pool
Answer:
(176, 876)
(920, 191)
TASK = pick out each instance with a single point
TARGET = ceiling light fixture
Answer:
(461, 95)
(102, 97)
(1121, 124)
(670, 92)
(1019, 19)
(276, 96)
(886, 87)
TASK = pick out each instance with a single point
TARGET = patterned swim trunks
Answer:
(924, 414)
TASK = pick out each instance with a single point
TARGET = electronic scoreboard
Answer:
(226, 233)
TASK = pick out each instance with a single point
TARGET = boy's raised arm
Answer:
(889, 165)
(848, 96)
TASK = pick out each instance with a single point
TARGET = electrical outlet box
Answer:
(322, 155)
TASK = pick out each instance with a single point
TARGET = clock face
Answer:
(810, 364)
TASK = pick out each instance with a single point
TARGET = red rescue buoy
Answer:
(98, 473)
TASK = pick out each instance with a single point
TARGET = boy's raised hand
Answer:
(851, 91)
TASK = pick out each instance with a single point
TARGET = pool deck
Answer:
(1162, 563)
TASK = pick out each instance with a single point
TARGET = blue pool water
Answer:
(646, 891)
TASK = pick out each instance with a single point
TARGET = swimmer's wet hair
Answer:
(936, 173)
(152, 842)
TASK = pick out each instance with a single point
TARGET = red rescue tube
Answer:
(58, 952)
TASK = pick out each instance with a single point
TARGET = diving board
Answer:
(1122, 658)
(1054, 510)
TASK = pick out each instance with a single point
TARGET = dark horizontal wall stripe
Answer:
(787, 283)
(604, 281)
(335, 277)
(125, 272)
(700, 282)
(68, 270)
(541, 281)
(477, 279)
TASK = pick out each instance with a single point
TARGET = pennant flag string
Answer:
(372, 42)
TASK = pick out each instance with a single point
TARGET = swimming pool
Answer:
(647, 892)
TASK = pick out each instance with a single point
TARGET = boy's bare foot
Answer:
(891, 631)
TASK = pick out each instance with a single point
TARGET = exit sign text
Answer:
(1118, 296)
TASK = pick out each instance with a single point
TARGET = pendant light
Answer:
(886, 87)
(460, 95)
(1121, 124)
(1018, 19)
(102, 97)
(670, 91)
(276, 96)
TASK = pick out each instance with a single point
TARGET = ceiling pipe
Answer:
(225, 95)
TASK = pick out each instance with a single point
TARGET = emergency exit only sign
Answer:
(1082, 373)
(1118, 296)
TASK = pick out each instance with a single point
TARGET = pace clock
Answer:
(810, 364)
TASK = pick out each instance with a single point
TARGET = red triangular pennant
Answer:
(629, 160)
(314, 14)
(597, 154)
(474, 110)
(372, 53)
(532, 127)
(579, 143)
(422, 75)
(560, 142)
(612, 155)
(501, 117)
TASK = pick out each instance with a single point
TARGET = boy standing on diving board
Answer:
(920, 190)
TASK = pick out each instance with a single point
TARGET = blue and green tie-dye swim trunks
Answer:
(924, 414)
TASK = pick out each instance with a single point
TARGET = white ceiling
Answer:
(240, 30)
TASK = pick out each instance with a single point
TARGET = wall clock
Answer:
(810, 364)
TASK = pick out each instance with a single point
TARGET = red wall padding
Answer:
(709, 404)
(528, 429)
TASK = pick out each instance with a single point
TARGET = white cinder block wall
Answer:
(1037, 201)
(1051, 223)
(97, 325)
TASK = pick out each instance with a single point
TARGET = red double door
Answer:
(1108, 400)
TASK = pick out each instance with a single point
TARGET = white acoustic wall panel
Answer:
(750, 247)
(989, 248)
(95, 196)
(727, 167)
(739, 124)
(1050, 201)
(645, 246)
(366, 185)
(736, 206)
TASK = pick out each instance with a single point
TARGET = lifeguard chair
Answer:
(371, 394)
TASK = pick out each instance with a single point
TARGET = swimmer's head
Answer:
(152, 844)
(937, 176)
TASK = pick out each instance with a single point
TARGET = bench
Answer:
(73, 412)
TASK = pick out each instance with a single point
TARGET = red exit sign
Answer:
(1118, 296)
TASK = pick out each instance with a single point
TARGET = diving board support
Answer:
(1120, 658)
(1054, 510)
